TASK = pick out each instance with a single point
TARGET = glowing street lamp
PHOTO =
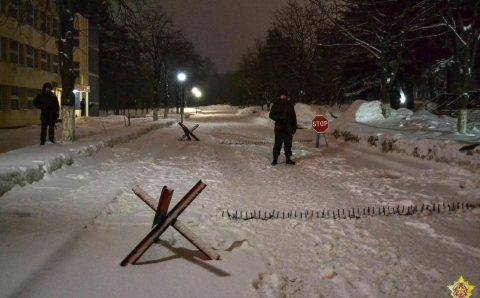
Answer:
(181, 77)
(197, 93)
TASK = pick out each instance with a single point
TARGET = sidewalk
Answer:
(16, 138)
(31, 163)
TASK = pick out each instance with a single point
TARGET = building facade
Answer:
(29, 58)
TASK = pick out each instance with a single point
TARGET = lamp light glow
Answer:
(182, 77)
(403, 97)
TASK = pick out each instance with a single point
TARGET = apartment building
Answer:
(29, 58)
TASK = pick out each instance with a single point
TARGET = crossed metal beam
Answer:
(188, 133)
(163, 220)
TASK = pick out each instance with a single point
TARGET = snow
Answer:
(369, 111)
(218, 108)
(305, 114)
(32, 163)
(67, 232)
(420, 134)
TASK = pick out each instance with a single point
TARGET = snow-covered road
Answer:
(65, 235)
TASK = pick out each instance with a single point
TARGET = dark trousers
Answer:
(51, 131)
(283, 138)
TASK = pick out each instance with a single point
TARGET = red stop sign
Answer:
(320, 124)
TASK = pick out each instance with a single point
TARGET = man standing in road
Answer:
(47, 102)
(283, 113)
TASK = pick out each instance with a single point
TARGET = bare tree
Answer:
(298, 27)
(384, 30)
(462, 20)
(153, 28)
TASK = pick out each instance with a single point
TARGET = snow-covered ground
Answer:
(419, 134)
(66, 234)
(32, 163)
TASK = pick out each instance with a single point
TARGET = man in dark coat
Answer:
(82, 107)
(47, 102)
(283, 113)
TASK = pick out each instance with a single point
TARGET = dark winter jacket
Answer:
(47, 102)
(283, 113)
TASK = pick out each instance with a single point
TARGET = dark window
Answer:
(31, 93)
(14, 98)
(22, 92)
(13, 9)
(55, 63)
(3, 97)
(29, 54)
(35, 18)
(3, 6)
(48, 25)
(29, 15)
(21, 51)
(43, 60)
(76, 40)
(40, 19)
(55, 27)
(14, 52)
(3, 48)
(36, 58)
(49, 62)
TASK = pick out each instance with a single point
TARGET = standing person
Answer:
(47, 102)
(283, 113)
(82, 107)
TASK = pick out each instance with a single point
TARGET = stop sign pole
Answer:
(320, 126)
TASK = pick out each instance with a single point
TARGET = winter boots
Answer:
(275, 161)
(288, 161)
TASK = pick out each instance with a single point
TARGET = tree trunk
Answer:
(385, 93)
(462, 121)
(166, 92)
(65, 52)
(68, 123)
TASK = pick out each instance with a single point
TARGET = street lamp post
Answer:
(181, 77)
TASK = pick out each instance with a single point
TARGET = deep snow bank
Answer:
(420, 134)
(30, 164)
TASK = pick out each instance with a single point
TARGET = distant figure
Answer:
(47, 102)
(283, 113)
(82, 107)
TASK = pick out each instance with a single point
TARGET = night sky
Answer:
(223, 29)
